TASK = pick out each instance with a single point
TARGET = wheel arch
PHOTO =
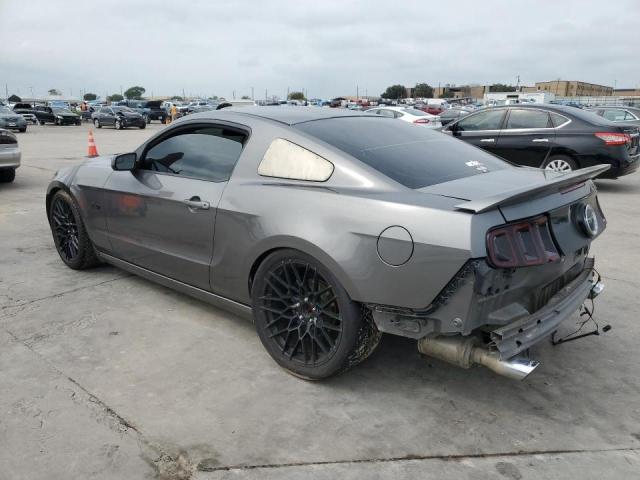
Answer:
(55, 187)
(306, 247)
(559, 151)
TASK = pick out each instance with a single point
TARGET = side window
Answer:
(527, 119)
(489, 120)
(284, 159)
(614, 115)
(398, 114)
(557, 119)
(205, 153)
(387, 113)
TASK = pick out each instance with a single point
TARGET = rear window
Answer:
(415, 112)
(411, 155)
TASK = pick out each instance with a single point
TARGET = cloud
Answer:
(328, 47)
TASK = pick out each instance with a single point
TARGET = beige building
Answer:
(627, 92)
(574, 88)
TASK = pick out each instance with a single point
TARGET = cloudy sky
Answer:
(326, 47)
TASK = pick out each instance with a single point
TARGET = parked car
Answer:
(118, 117)
(622, 115)
(9, 156)
(452, 114)
(11, 120)
(434, 106)
(408, 114)
(475, 258)
(156, 112)
(44, 114)
(64, 116)
(26, 110)
(553, 137)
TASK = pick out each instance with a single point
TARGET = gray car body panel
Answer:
(137, 217)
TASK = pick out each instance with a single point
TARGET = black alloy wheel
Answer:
(305, 318)
(69, 234)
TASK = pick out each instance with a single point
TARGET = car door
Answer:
(161, 215)
(108, 117)
(527, 137)
(480, 129)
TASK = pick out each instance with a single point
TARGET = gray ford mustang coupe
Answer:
(329, 227)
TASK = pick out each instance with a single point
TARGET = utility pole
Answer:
(234, 94)
(287, 93)
(6, 91)
(518, 84)
(252, 94)
(357, 93)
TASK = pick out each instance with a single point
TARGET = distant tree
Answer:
(116, 97)
(395, 92)
(501, 87)
(296, 96)
(54, 91)
(245, 97)
(89, 96)
(134, 93)
(423, 90)
(177, 98)
(214, 97)
(14, 98)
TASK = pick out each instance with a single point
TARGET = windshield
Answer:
(411, 155)
(5, 110)
(122, 109)
(61, 110)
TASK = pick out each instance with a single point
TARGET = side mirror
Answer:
(124, 162)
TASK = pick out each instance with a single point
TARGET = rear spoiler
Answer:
(552, 185)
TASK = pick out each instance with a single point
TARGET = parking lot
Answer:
(107, 375)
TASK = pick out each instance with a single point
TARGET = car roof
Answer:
(288, 115)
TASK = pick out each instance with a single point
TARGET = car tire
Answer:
(96, 122)
(7, 175)
(41, 123)
(117, 125)
(305, 318)
(560, 163)
(69, 233)
(142, 126)
(146, 119)
(23, 129)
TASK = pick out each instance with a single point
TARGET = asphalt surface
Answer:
(104, 375)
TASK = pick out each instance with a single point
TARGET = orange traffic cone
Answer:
(93, 151)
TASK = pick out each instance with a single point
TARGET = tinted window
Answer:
(205, 153)
(387, 113)
(487, 120)
(105, 110)
(527, 119)
(557, 119)
(409, 154)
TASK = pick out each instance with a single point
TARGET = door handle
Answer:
(540, 140)
(487, 140)
(194, 203)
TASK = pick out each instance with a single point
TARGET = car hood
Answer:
(129, 114)
(11, 116)
(514, 185)
(64, 114)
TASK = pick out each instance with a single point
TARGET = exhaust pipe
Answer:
(463, 352)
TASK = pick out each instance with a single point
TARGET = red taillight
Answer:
(614, 138)
(422, 120)
(522, 244)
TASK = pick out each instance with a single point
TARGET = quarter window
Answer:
(489, 120)
(519, 118)
(206, 153)
(284, 159)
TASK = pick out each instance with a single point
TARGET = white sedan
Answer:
(408, 114)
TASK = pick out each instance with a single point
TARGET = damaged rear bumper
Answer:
(521, 334)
